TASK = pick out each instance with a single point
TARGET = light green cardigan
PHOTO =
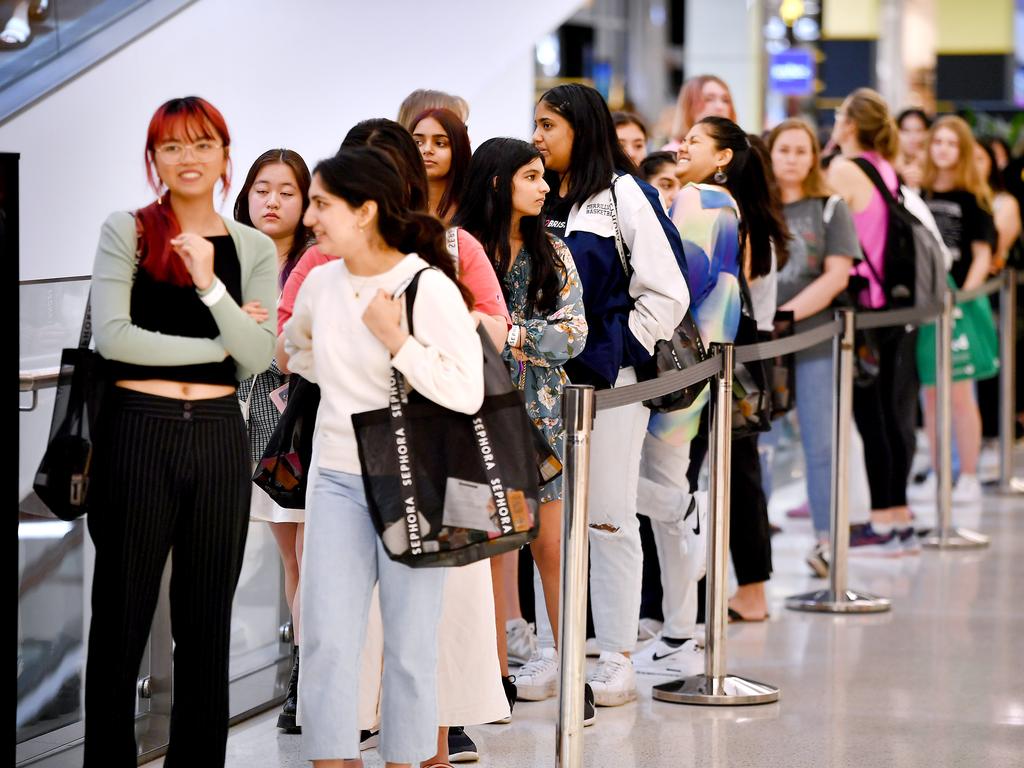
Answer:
(249, 344)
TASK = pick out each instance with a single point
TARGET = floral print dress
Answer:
(547, 343)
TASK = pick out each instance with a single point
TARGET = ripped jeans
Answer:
(616, 559)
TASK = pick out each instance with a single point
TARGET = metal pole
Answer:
(1008, 484)
(838, 598)
(716, 686)
(578, 415)
(945, 535)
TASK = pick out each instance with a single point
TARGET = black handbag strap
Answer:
(397, 400)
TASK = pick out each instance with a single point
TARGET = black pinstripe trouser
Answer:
(173, 477)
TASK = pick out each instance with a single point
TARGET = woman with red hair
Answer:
(180, 299)
(699, 97)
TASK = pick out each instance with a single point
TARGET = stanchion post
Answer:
(1008, 484)
(838, 598)
(578, 416)
(945, 535)
(716, 686)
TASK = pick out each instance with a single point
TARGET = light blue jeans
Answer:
(342, 560)
(815, 400)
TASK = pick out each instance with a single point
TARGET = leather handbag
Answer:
(62, 479)
(683, 350)
(751, 404)
(446, 488)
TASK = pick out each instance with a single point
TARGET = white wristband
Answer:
(214, 293)
(513, 337)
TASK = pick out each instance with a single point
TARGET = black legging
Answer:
(884, 412)
(750, 540)
(172, 477)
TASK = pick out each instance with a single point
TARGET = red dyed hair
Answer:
(691, 102)
(188, 119)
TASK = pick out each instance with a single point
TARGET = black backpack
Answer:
(915, 269)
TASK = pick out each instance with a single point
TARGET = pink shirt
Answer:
(872, 226)
(475, 272)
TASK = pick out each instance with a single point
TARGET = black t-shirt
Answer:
(556, 214)
(178, 311)
(961, 221)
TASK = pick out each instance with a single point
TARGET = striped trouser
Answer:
(171, 476)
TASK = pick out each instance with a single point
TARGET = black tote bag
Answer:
(62, 479)
(446, 488)
(283, 470)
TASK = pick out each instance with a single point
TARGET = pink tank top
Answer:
(872, 226)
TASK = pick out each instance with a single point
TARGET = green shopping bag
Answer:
(975, 343)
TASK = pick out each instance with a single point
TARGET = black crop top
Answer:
(178, 311)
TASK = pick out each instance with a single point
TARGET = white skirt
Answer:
(469, 690)
(265, 509)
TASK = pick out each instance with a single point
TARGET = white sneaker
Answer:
(614, 681)
(967, 490)
(988, 462)
(660, 658)
(648, 630)
(522, 642)
(538, 678)
(923, 493)
(593, 650)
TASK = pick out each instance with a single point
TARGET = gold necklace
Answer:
(358, 283)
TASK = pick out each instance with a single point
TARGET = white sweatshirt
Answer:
(330, 345)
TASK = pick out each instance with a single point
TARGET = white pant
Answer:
(664, 496)
(616, 559)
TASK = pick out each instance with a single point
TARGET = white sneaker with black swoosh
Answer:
(662, 658)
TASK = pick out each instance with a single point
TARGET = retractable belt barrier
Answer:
(715, 686)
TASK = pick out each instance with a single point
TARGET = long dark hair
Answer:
(596, 153)
(397, 143)
(455, 181)
(486, 214)
(302, 236)
(359, 174)
(752, 185)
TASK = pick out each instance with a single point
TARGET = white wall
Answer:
(296, 74)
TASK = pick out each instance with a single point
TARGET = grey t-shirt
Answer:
(813, 240)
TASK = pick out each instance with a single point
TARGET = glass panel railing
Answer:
(49, 28)
(44, 43)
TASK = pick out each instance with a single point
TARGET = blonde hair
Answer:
(875, 128)
(814, 183)
(691, 101)
(965, 174)
(423, 99)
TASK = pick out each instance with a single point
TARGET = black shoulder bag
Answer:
(683, 350)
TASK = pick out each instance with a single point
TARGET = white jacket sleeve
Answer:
(443, 361)
(657, 285)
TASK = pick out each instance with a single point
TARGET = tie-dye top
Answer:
(707, 218)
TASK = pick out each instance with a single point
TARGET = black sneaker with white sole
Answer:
(461, 748)
(589, 712)
(368, 740)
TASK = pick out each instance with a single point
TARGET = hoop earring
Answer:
(720, 177)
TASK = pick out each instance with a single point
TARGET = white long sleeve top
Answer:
(330, 345)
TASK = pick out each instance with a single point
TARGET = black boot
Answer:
(511, 692)
(286, 720)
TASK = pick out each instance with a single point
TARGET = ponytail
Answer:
(874, 126)
(358, 174)
(751, 183)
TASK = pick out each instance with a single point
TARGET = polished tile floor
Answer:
(937, 682)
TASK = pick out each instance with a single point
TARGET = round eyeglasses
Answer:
(203, 151)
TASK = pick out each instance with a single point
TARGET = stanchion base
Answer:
(956, 538)
(847, 601)
(724, 691)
